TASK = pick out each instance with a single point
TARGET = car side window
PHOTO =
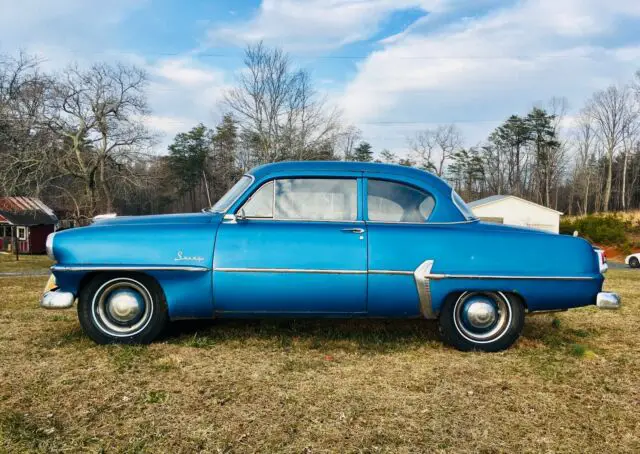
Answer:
(389, 201)
(260, 204)
(311, 199)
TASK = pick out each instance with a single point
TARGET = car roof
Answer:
(349, 166)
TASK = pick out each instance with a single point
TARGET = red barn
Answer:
(27, 219)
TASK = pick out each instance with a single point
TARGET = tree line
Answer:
(78, 140)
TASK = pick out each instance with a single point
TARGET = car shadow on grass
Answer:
(364, 335)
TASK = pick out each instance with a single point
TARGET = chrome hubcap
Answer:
(481, 314)
(482, 317)
(122, 307)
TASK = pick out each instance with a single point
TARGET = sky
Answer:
(393, 67)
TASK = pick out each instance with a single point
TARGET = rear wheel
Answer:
(126, 309)
(479, 320)
(634, 262)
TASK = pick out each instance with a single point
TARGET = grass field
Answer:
(8, 263)
(571, 384)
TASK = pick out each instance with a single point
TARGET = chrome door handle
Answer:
(353, 230)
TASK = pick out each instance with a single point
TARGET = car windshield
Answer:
(462, 206)
(232, 194)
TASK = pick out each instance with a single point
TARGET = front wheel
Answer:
(122, 309)
(480, 320)
(634, 262)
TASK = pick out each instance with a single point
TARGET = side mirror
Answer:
(233, 218)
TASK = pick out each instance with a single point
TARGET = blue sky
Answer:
(393, 67)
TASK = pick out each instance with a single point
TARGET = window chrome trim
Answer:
(470, 221)
(303, 220)
(457, 205)
(276, 179)
(74, 268)
(253, 180)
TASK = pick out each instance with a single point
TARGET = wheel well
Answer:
(518, 297)
(91, 275)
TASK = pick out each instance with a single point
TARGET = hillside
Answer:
(618, 233)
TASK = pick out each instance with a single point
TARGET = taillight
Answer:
(602, 260)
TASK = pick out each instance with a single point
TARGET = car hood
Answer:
(182, 218)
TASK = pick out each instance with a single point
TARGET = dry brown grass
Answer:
(8, 263)
(569, 385)
(632, 216)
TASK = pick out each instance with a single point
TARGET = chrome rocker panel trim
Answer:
(77, 268)
(56, 299)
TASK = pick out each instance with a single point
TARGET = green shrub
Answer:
(609, 230)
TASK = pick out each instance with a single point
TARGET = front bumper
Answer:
(608, 300)
(56, 299)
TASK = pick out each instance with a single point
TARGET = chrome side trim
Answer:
(64, 268)
(392, 272)
(437, 276)
(421, 276)
(288, 270)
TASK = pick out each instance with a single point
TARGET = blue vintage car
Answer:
(323, 239)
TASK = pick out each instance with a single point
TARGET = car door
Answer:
(399, 240)
(297, 246)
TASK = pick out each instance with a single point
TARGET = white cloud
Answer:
(182, 72)
(170, 126)
(75, 24)
(315, 24)
(476, 72)
(182, 92)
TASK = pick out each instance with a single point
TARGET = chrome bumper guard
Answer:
(55, 299)
(607, 300)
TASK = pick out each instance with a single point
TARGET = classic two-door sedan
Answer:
(323, 239)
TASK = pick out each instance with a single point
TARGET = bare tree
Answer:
(348, 140)
(584, 140)
(629, 143)
(609, 109)
(98, 113)
(280, 114)
(433, 147)
(24, 144)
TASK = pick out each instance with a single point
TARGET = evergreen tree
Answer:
(363, 152)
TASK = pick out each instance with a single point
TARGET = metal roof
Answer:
(490, 199)
(26, 211)
(497, 198)
(370, 168)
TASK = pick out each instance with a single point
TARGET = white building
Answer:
(512, 210)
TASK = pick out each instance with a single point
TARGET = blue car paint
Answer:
(455, 245)
(147, 241)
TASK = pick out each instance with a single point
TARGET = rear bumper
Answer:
(608, 300)
(56, 299)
